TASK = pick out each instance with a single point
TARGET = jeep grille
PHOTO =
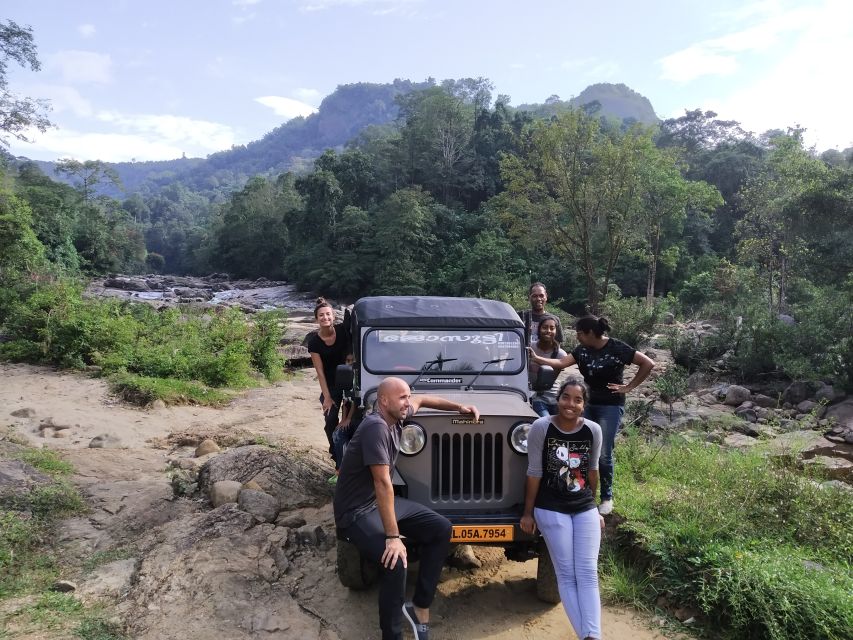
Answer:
(467, 467)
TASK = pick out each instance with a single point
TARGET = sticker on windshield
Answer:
(415, 337)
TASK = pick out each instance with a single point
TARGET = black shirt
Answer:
(565, 471)
(600, 367)
(374, 442)
(331, 356)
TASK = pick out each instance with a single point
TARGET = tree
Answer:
(20, 251)
(89, 174)
(774, 231)
(17, 114)
(582, 188)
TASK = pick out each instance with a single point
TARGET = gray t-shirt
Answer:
(373, 442)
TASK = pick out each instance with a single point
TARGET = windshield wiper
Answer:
(485, 366)
(428, 365)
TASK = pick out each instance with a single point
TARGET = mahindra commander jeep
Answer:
(470, 351)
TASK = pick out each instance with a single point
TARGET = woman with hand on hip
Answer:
(601, 360)
(559, 500)
(329, 348)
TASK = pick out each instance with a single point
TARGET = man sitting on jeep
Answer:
(368, 514)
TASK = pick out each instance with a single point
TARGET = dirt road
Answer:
(127, 483)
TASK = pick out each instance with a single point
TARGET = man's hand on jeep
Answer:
(470, 409)
(394, 549)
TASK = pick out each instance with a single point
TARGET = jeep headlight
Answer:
(518, 437)
(412, 439)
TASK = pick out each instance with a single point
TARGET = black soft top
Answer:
(434, 312)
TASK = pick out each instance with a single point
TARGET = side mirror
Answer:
(343, 379)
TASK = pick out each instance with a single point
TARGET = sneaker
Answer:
(606, 507)
(421, 630)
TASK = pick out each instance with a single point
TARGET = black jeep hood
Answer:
(434, 312)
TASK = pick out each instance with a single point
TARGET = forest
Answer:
(464, 195)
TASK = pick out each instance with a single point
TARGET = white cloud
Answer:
(63, 99)
(307, 95)
(717, 56)
(177, 130)
(82, 67)
(803, 87)
(286, 107)
(86, 30)
(110, 147)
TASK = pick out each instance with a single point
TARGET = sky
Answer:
(158, 79)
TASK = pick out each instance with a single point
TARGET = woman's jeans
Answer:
(609, 416)
(543, 408)
(573, 542)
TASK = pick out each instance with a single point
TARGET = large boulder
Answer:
(737, 395)
(17, 478)
(828, 393)
(798, 391)
(842, 413)
(296, 478)
(261, 505)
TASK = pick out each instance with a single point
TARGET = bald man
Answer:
(369, 516)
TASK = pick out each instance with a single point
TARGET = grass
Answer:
(751, 540)
(28, 567)
(143, 390)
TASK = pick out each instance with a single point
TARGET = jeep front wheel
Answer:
(354, 571)
(546, 578)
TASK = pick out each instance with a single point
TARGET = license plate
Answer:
(501, 533)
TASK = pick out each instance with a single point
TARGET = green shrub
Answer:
(671, 386)
(264, 338)
(698, 292)
(143, 391)
(761, 548)
(631, 318)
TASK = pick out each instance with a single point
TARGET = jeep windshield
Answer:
(443, 352)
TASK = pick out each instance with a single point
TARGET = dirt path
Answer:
(130, 496)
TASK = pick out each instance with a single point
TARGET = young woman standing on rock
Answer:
(559, 500)
(329, 348)
(601, 360)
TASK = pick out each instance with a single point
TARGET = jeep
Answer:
(471, 351)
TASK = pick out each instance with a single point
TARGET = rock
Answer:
(786, 319)
(760, 400)
(205, 447)
(112, 580)
(279, 556)
(290, 521)
(668, 318)
(463, 557)
(261, 505)
(806, 406)
(708, 398)
(837, 468)
(310, 535)
(842, 412)
(224, 491)
(157, 405)
(762, 413)
(127, 284)
(105, 441)
(63, 586)
(736, 395)
(745, 413)
(26, 412)
(60, 434)
(296, 477)
(836, 484)
(254, 486)
(738, 440)
(827, 393)
(697, 380)
(798, 391)
(746, 428)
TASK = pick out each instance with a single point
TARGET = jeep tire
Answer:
(546, 578)
(354, 571)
